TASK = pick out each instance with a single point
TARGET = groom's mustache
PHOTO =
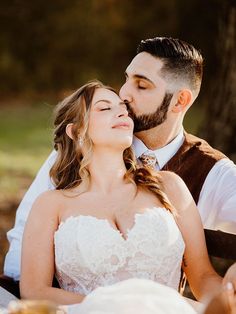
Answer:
(129, 109)
(147, 121)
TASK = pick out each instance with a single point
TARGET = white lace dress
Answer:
(90, 253)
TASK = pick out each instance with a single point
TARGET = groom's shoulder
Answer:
(201, 146)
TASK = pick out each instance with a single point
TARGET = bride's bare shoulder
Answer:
(48, 203)
(176, 189)
(170, 179)
(51, 195)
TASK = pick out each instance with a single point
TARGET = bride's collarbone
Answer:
(116, 207)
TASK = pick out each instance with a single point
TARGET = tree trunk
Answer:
(219, 128)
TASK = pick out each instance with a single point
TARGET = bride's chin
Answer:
(126, 145)
(128, 140)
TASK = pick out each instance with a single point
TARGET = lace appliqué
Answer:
(90, 253)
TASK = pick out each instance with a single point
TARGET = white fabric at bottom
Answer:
(133, 296)
(5, 297)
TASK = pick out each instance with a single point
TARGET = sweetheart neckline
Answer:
(125, 237)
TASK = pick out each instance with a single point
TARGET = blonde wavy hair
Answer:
(74, 154)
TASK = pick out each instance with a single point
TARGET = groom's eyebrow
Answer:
(140, 76)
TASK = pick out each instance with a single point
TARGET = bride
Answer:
(109, 219)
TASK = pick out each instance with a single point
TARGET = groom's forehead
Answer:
(144, 64)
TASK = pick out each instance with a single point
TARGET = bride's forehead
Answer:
(105, 94)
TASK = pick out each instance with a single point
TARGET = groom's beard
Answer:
(148, 121)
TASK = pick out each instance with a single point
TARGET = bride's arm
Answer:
(37, 262)
(203, 279)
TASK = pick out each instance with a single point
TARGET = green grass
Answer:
(25, 128)
(26, 141)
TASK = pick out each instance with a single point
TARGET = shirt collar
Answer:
(163, 154)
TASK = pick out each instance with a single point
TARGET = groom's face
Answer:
(146, 92)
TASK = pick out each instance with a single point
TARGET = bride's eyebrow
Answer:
(102, 100)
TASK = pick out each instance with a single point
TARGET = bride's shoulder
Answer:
(49, 202)
(170, 179)
(47, 206)
(51, 195)
(175, 188)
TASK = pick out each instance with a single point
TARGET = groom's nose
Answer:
(124, 93)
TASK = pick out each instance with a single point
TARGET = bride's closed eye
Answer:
(103, 109)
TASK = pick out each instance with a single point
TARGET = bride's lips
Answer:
(122, 125)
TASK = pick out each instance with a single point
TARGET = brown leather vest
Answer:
(193, 161)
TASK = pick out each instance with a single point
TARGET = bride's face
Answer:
(109, 123)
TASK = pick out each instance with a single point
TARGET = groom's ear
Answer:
(184, 101)
(69, 130)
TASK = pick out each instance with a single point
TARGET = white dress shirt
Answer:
(217, 200)
(164, 154)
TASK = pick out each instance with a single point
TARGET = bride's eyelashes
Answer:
(103, 109)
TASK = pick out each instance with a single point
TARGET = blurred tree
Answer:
(49, 46)
(220, 125)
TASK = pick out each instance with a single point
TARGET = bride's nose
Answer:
(122, 111)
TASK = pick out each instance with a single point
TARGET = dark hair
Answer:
(181, 61)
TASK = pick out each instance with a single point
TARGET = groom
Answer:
(162, 82)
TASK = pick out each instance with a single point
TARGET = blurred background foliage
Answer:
(49, 48)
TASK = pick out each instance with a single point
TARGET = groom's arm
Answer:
(41, 183)
(217, 201)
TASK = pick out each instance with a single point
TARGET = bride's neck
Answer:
(107, 170)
